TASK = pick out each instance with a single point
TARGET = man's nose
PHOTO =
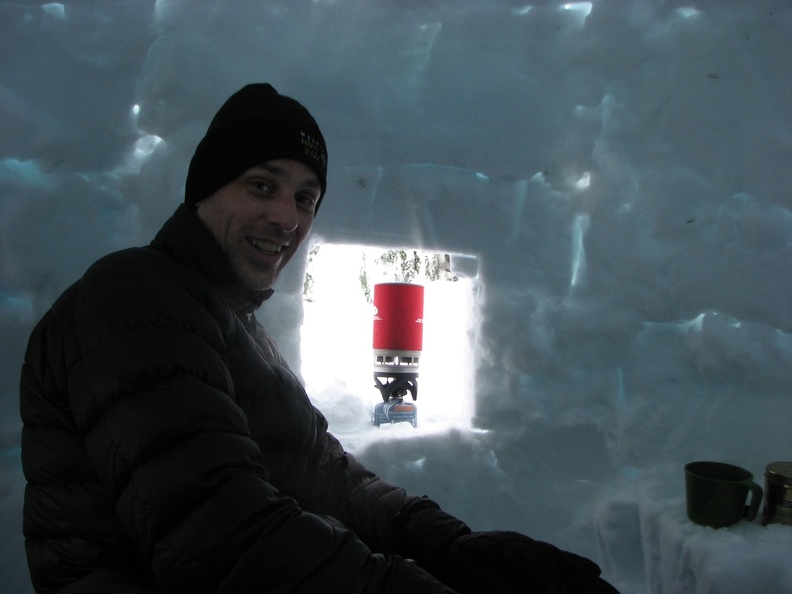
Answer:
(283, 211)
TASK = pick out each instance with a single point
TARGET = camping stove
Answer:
(398, 341)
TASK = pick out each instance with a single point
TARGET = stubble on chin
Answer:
(258, 281)
(250, 277)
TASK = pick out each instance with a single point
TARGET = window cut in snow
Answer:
(336, 342)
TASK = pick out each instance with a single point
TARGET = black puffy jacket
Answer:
(167, 447)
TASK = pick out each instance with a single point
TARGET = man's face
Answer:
(262, 217)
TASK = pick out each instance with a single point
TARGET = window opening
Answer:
(336, 339)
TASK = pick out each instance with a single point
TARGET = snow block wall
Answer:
(620, 171)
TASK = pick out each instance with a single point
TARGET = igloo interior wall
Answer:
(618, 173)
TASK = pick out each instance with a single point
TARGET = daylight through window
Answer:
(337, 355)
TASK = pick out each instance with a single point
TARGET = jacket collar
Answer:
(186, 238)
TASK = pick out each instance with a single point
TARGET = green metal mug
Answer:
(716, 494)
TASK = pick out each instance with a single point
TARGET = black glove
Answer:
(512, 562)
(498, 562)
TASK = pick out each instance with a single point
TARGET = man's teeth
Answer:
(265, 246)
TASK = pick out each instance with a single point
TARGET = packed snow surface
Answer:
(611, 179)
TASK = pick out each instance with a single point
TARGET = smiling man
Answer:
(168, 447)
(261, 218)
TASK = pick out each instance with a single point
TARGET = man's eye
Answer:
(307, 200)
(261, 185)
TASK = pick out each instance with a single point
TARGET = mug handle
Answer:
(756, 499)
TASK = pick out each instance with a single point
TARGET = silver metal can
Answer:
(778, 494)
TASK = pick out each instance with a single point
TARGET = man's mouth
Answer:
(266, 247)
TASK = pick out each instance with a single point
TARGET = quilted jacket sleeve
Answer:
(332, 482)
(329, 481)
(147, 383)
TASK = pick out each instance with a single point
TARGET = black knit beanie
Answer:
(256, 124)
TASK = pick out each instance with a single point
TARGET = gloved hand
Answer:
(497, 562)
(510, 562)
